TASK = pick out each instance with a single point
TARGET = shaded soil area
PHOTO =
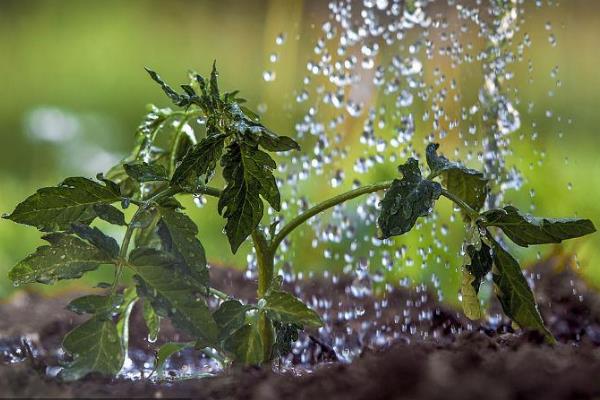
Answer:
(405, 346)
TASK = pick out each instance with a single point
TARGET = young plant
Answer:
(160, 244)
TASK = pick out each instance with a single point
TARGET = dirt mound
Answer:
(404, 346)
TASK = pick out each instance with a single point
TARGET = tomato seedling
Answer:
(160, 244)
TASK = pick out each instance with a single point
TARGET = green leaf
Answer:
(152, 321)
(406, 200)
(524, 229)
(176, 98)
(246, 345)
(147, 233)
(478, 263)
(467, 184)
(513, 291)
(286, 334)
(56, 208)
(166, 351)
(272, 142)
(248, 172)
(67, 257)
(172, 293)
(144, 172)
(214, 85)
(110, 214)
(230, 316)
(97, 238)
(179, 234)
(283, 307)
(96, 304)
(201, 160)
(95, 347)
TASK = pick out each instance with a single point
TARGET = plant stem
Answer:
(332, 202)
(123, 251)
(265, 261)
(459, 202)
(217, 293)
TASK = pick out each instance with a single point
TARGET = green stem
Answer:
(265, 260)
(123, 252)
(332, 202)
(459, 202)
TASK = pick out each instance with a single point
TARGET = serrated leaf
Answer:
(56, 208)
(406, 200)
(201, 160)
(176, 98)
(214, 85)
(96, 304)
(285, 336)
(179, 235)
(167, 350)
(479, 263)
(246, 345)
(67, 257)
(147, 233)
(467, 184)
(272, 142)
(248, 172)
(110, 214)
(97, 238)
(513, 291)
(524, 229)
(144, 172)
(283, 307)
(95, 347)
(172, 293)
(470, 301)
(152, 321)
(230, 316)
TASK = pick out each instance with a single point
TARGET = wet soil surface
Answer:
(405, 346)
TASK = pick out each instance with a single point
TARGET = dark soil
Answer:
(410, 348)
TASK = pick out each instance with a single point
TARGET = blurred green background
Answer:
(74, 91)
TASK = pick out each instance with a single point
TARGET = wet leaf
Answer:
(230, 316)
(166, 351)
(406, 200)
(524, 229)
(176, 98)
(97, 238)
(95, 347)
(56, 208)
(246, 345)
(467, 184)
(248, 172)
(110, 214)
(144, 172)
(129, 299)
(285, 336)
(67, 257)
(104, 306)
(179, 235)
(513, 291)
(479, 263)
(172, 293)
(272, 142)
(285, 308)
(200, 160)
(152, 321)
